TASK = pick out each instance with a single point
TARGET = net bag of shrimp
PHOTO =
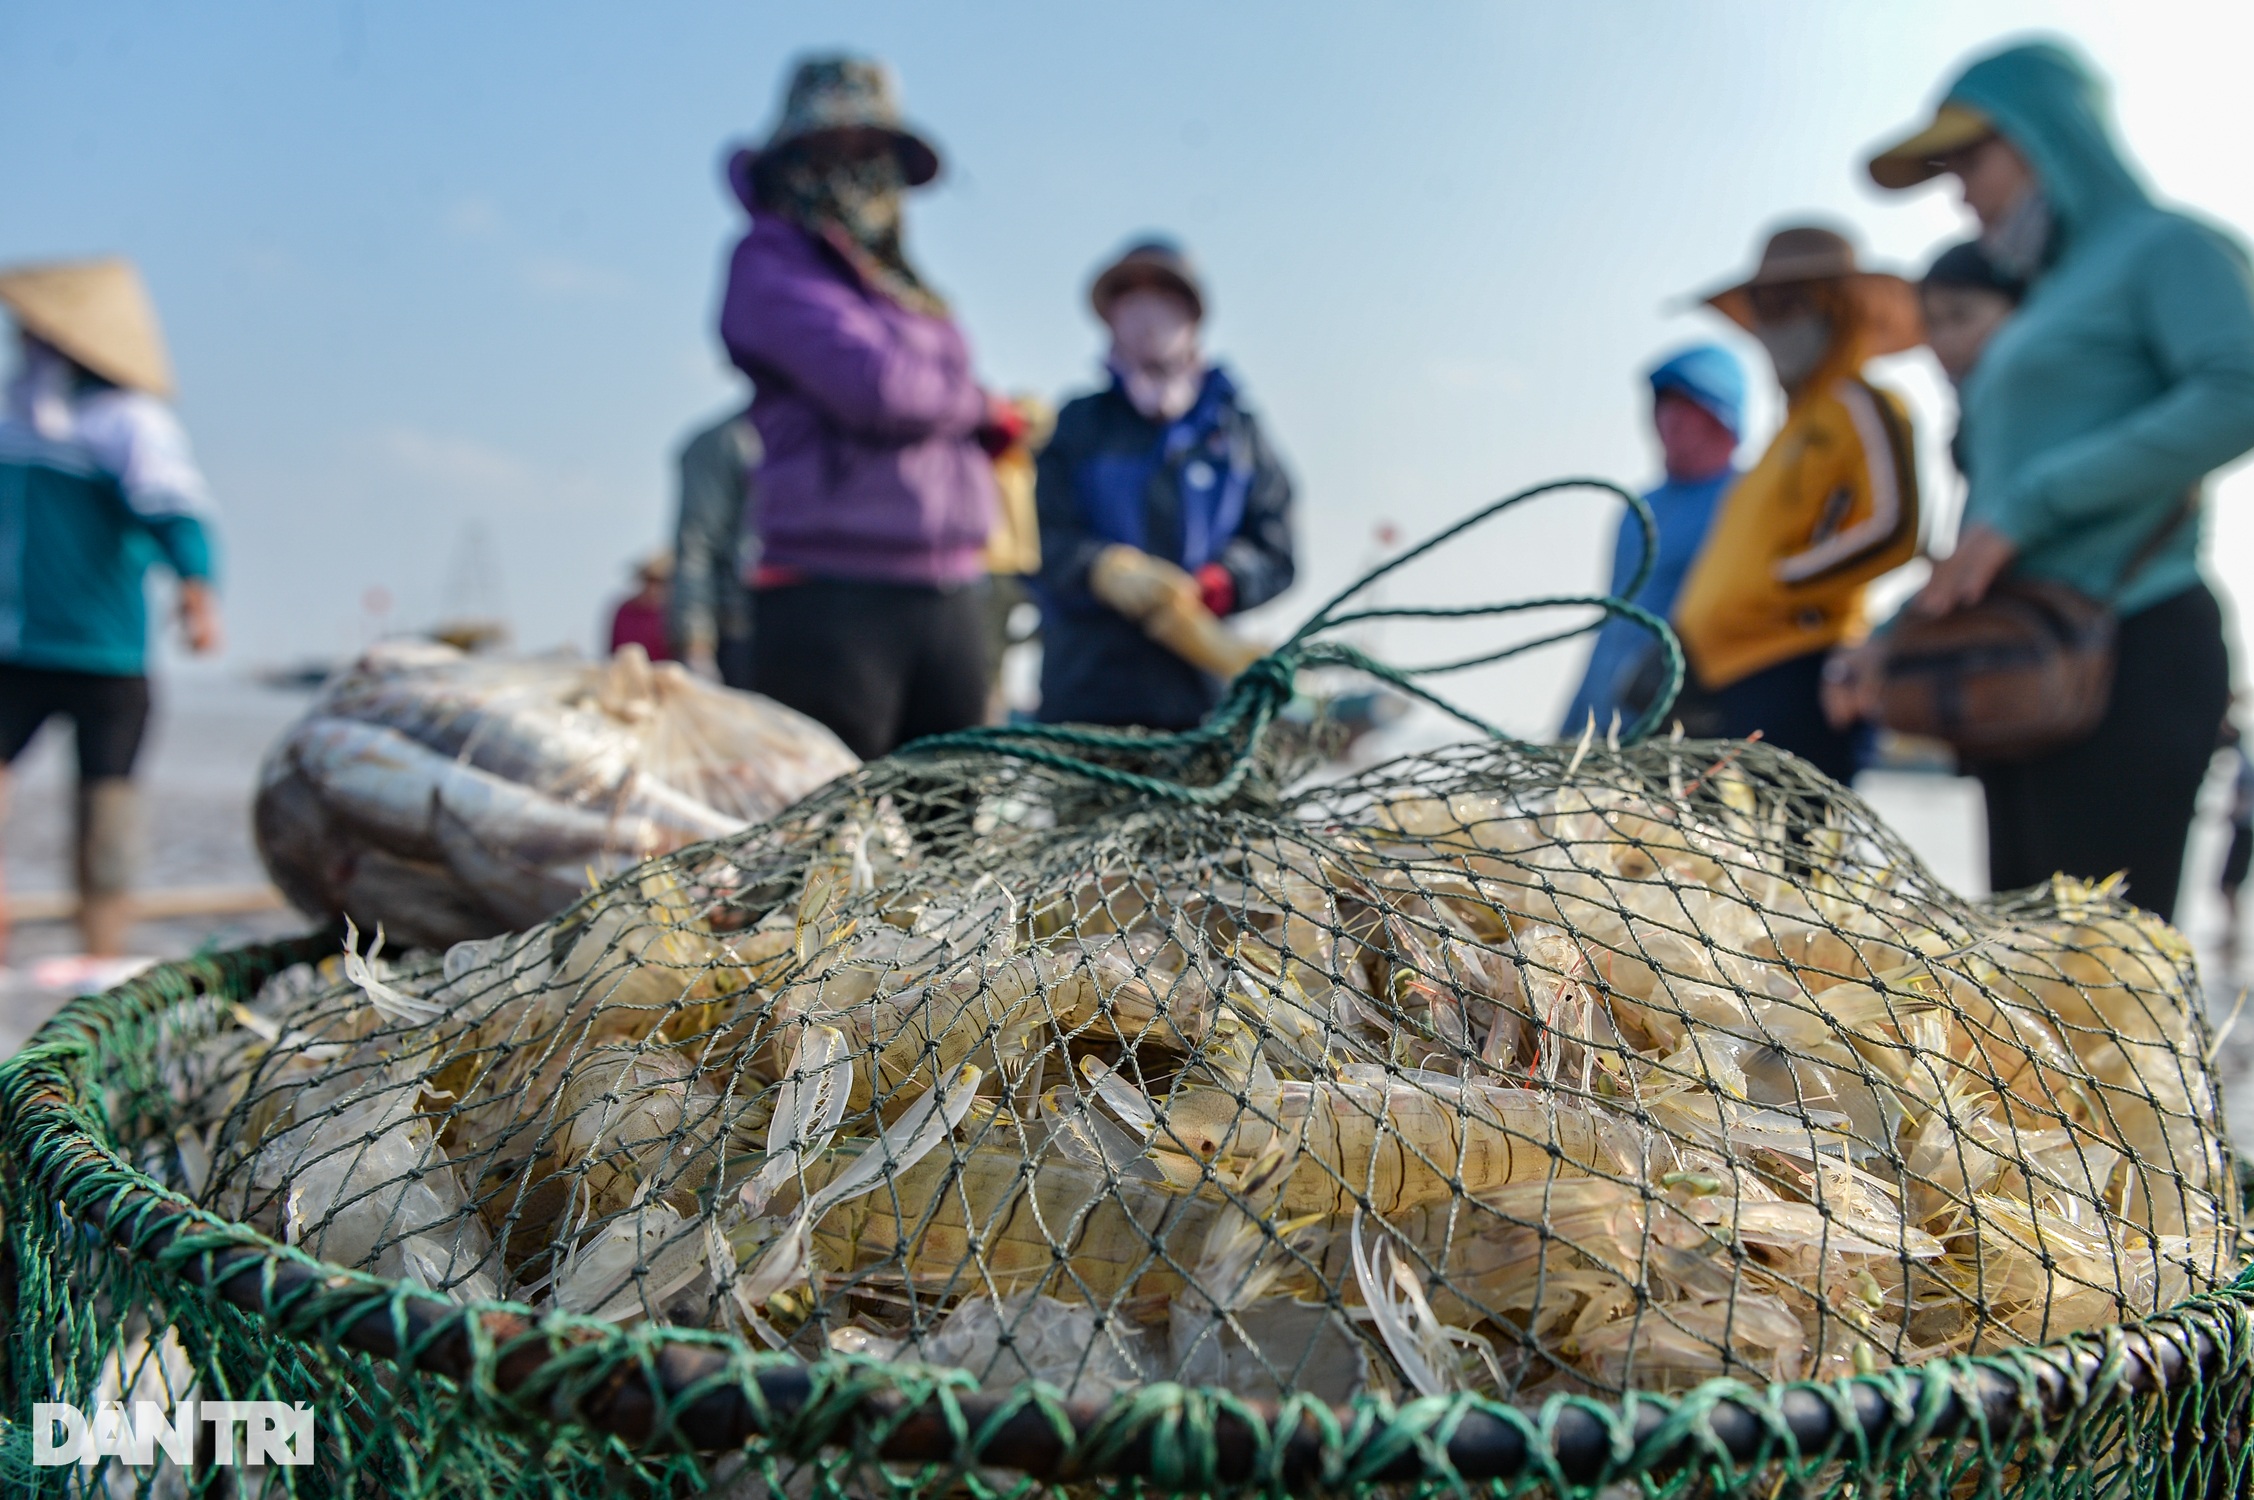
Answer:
(1498, 1069)
(444, 796)
(1097, 1058)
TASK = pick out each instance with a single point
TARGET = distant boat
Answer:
(473, 635)
(295, 677)
(308, 673)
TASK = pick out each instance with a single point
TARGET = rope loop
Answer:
(1257, 698)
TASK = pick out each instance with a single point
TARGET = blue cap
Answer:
(1710, 375)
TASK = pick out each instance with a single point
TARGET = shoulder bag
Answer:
(2027, 669)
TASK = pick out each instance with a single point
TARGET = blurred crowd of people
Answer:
(862, 539)
(881, 513)
(2101, 347)
(895, 517)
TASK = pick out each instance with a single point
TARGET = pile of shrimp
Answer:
(1496, 1075)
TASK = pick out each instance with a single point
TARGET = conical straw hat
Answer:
(98, 313)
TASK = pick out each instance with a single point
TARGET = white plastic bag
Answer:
(449, 797)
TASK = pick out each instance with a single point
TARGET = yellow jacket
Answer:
(1831, 505)
(1013, 547)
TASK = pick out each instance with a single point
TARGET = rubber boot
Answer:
(108, 858)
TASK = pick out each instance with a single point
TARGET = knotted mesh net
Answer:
(1499, 1069)
(1097, 1065)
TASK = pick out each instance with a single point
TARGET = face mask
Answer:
(858, 194)
(1155, 353)
(1796, 345)
(2019, 243)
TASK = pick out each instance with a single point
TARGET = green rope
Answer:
(1259, 695)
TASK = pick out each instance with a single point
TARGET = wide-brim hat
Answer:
(1887, 304)
(1151, 262)
(1924, 153)
(839, 98)
(95, 312)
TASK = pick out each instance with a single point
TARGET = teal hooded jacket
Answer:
(2128, 373)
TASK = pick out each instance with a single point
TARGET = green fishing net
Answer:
(1099, 1104)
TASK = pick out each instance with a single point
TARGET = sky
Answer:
(440, 280)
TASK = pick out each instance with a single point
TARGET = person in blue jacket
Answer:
(1698, 413)
(2090, 424)
(1166, 460)
(96, 484)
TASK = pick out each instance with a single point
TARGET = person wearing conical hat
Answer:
(96, 480)
(1831, 505)
(875, 489)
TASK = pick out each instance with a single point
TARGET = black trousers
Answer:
(732, 655)
(1784, 703)
(879, 663)
(2123, 798)
(108, 714)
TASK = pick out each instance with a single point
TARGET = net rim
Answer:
(668, 1389)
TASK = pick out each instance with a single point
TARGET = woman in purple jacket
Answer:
(876, 491)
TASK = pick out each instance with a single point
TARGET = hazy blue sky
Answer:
(432, 272)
